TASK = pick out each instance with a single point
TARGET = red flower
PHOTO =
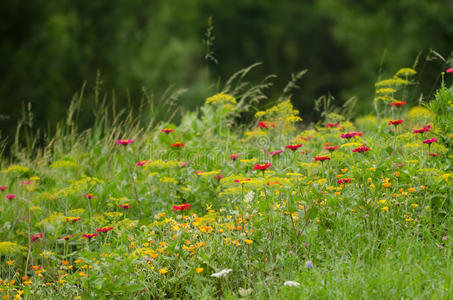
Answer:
(293, 147)
(198, 172)
(361, 149)
(218, 177)
(331, 148)
(184, 164)
(167, 130)
(38, 236)
(67, 237)
(262, 167)
(234, 156)
(321, 158)
(397, 103)
(429, 141)
(3, 187)
(181, 207)
(343, 181)
(10, 196)
(330, 125)
(396, 122)
(124, 142)
(242, 180)
(142, 163)
(272, 153)
(89, 196)
(265, 124)
(433, 154)
(305, 138)
(104, 229)
(89, 236)
(26, 182)
(178, 145)
(349, 135)
(449, 70)
(125, 206)
(425, 128)
(72, 220)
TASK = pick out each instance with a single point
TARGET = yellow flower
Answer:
(414, 205)
(10, 262)
(199, 270)
(83, 274)
(411, 190)
(386, 184)
(385, 208)
(163, 271)
(248, 242)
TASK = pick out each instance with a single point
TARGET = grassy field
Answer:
(211, 209)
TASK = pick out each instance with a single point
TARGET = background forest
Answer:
(49, 49)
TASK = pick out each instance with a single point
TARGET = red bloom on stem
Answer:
(89, 236)
(167, 130)
(331, 148)
(125, 206)
(397, 103)
(89, 196)
(293, 147)
(272, 153)
(124, 142)
(67, 237)
(349, 135)
(142, 163)
(3, 187)
(331, 125)
(425, 128)
(343, 181)
(218, 177)
(185, 164)
(104, 229)
(234, 156)
(10, 196)
(262, 167)
(178, 145)
(450, 70)
(361, 149)
(26, 182)
(429, 141)
(395, 122)
(181, 207)
(38, 236)
(433, 154)
(321, 158)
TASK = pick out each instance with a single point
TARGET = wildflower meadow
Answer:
(217, 207)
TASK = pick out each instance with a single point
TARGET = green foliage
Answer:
(177, 217)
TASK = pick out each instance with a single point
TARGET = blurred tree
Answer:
(48, 48)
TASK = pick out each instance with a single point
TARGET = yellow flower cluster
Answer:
(220, 99)
(62, 164)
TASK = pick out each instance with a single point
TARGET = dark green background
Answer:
(49, 48)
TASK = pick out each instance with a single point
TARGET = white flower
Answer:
(291, 283)
(222, 273)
